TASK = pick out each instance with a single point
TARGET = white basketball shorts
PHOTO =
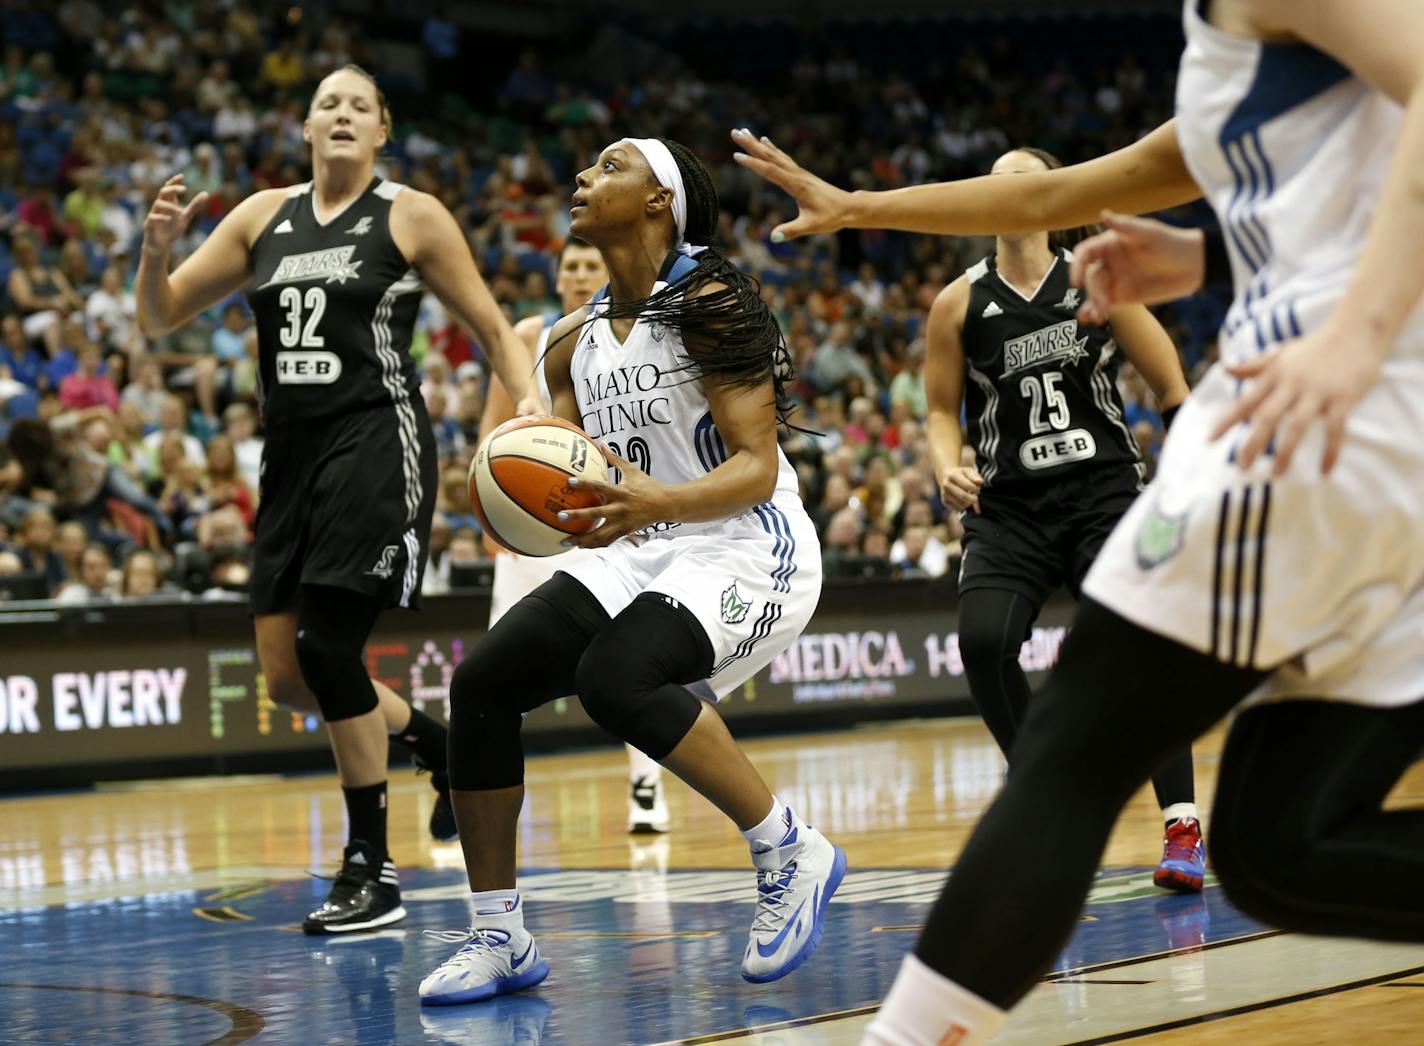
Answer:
(753, 582)
(1319, 577)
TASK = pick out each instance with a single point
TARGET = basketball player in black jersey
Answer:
(1057, 467)
(333, 269)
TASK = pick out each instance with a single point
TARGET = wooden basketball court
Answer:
(166, 912)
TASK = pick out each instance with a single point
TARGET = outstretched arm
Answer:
(1149, 175)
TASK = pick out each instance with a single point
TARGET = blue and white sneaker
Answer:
(795, 880)
(493, 961)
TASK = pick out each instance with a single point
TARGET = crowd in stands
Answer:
(129, 465)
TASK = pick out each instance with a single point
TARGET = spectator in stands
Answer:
(84, 206)
(109, 315)
(836, 360)
(185, 497)
(173, 419)
(25, 363)
(841, 540)
(34, 545)
(69, 544)
(436, 579)
(147, 394)
(919, 554)
(42, 295)
(449, 437)
(88, 386)
(74, 266)
(142, 574)
(225, 483)
(92, 583)
(240, 424)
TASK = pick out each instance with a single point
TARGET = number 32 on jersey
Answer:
(1053, 443)
(302, 360)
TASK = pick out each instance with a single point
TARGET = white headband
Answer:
(664, 168)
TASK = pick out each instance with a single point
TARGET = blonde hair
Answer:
(352, 67)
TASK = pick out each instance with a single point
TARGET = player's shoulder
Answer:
(411, 204)
(529, 330)
(952, 302)
(564, 334)
(253, 214)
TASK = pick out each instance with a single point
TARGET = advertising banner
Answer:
(123, 687)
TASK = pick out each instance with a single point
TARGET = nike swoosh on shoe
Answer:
(766, 951)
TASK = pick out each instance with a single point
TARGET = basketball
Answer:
(519, 483)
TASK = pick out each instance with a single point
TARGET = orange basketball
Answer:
(519, 483)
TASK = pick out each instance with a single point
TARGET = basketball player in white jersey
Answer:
(1275, 564)
(706, 566)
(580, 274)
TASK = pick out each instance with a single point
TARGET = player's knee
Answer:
(632, 704)
(486, 682)
(333, 671)
(984, 643)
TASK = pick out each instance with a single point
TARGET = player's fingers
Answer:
(588, 512)
(1265, 420)
(1335, 414)
(1292, 429)
(163, 209)
(193, 205)
(1244, 407)
(616, 461)
(603, 490)
(1250, 368)
(974, 476)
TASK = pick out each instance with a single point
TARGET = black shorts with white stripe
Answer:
(345, 502)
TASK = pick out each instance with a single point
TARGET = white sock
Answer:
(644, 766)
(925, 1008)
(496, 909)
(775, 826)
(1180, 812)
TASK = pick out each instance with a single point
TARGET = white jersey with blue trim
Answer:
(637, 398)
(1291, 150)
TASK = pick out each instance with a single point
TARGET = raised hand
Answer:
(635, 503)
(1136, 261)
(823, 207)
(169, 218)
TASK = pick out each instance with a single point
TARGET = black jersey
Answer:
(1041, 398)
(335, 307)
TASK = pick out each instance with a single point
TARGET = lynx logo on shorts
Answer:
(1059, 343)
(385, 566)
(734, 607)
(331, 264)
(1160, 537)
(308, 368)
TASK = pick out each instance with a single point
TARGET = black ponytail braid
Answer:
(730, 334)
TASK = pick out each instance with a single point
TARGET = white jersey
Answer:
(636, 398)
(1291, 150)
(1319, 577)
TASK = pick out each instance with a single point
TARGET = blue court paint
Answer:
(636, 957)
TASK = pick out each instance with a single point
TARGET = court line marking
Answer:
(1077, 971)
(245, 1023)
(1254, 1007)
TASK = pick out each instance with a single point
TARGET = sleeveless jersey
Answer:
(1041, 398)
(1291, 150)
(335, 308)
(635, 398)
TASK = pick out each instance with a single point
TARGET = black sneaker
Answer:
(442, 819)
(365, 895)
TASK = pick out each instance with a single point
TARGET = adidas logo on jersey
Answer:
(285, 225)
(991, 310)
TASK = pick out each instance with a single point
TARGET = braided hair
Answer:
(730, 334)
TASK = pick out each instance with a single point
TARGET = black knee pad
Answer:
(631, 679)
(333, 670)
